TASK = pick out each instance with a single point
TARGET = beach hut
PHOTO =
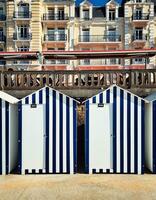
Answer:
(47, 133)
(150, 133)
(8, 133)
(114, 132)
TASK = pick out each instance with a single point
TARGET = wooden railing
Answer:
(32, 80)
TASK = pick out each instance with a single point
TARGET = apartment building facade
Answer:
(44, 25)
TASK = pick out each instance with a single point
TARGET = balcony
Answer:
(2, 17)
(48, 16)
(22, 15)
(139, 38)
(143, 17)
(2, 38)
(55, 37)
(100, 38)
(21, 37)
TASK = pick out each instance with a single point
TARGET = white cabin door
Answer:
(100, 137)
(33, 138)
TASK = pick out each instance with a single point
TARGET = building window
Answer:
(23, 31)
(23, 10)
(85, 14)
(60, 14)
(112, 34)
(138, 13)
(111, 14)
(23, 48)
(85, 35)
(138, 35)
(138, 1)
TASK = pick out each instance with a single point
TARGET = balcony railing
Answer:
(66, 80)
(140, 17)
(54, 37)
(18, 36)
(99, 38)
(139, 37)
(22, 15)
(48, 16)
(2, 17)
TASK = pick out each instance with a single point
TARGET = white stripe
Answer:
(64, 136)
(50, 130)
(118, 130)
(57, 134)
(30, 99)
(3, 139)
(125, 132)
(139, 136)
(71, 136)
(132, 134)
(111, 95)
(37, 98)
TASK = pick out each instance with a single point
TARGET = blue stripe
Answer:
(7, 135)
(75, 135)
(128, 132)
(135, 135)
(68, 133)
(33, 98)
(54, 131)
(40, 97)
(142, 135)
(108, 96)
(61, 131)
(121, 131)
(0, 136)
(47, 130)
(27, 100)
(101, 98)
(114, 127)
(94, 99)
(19, 137)
(87, 138)
(154, 136)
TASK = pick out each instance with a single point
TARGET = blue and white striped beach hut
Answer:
(150, 133)
(114, 132)
(47, 133)
(8, 133)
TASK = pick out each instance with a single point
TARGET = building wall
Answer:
(44, 16)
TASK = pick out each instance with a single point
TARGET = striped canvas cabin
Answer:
(150, 133)
(8, 133)
(47, 133)
(114, 132)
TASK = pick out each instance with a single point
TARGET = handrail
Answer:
(28, 80)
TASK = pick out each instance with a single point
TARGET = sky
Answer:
(97, 2)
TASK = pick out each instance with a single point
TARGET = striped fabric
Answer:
(150, 134)
(61, 131)
(128, 130)
(4, 135)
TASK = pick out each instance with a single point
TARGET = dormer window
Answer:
(111, 14)
(85, 13)
(138, 1)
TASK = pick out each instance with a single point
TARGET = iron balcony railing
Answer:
(55, 37)
(48, 16)
(140, 17)
(18, 36)
(2, 38)
(99, 38)
(2, 17)
(22, 15)
(139, 37)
